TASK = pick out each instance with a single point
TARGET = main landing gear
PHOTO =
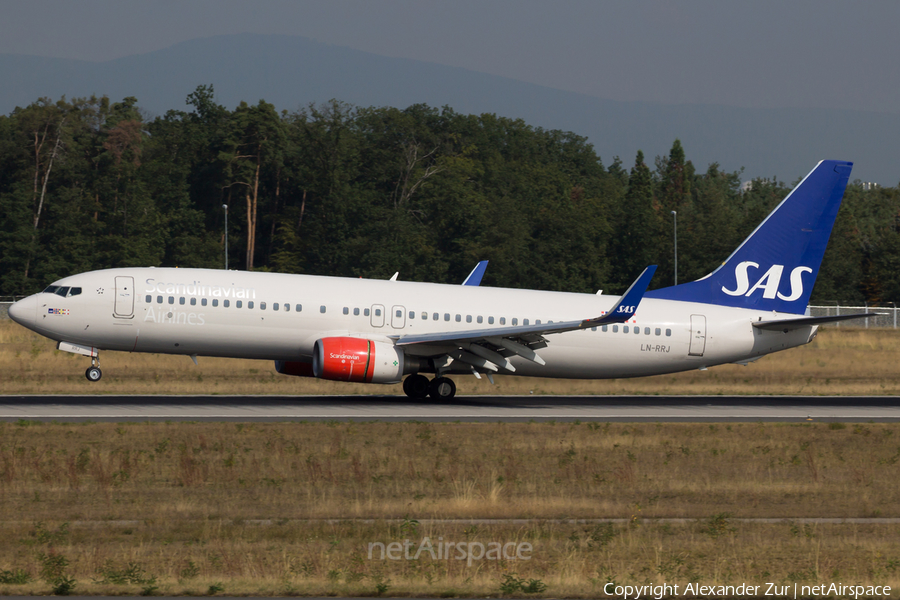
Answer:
(93, 372)
(418, 387)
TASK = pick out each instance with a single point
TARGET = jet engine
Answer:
(357, 359)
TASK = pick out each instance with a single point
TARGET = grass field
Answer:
(232, 508)
(837, 362)
(239, 509)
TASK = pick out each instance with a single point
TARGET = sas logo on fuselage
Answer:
(768, 283)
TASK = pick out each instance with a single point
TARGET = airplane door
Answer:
(398, 317)
(698, 335)
(377, 315)
(124, 297)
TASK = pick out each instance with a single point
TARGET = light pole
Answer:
(225, 206)
(675, 225)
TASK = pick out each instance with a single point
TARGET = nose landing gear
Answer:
(93, 373)
(418, 387)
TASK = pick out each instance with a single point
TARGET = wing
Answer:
(490, 349)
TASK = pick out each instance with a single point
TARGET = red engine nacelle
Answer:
(357, 359)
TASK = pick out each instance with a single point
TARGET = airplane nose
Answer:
(23, 311)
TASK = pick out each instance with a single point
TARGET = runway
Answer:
(464, 408)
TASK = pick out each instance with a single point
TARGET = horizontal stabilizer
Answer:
(789, 324)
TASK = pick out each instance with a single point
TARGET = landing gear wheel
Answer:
(441, 388)
(416, 386)
(93, 374)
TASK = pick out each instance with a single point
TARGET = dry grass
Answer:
(160, 471)
(179, 501)
(332, 560)
(838, 362)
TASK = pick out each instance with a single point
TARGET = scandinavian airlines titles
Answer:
(768, 283)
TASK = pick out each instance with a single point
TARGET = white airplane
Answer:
(378, 331)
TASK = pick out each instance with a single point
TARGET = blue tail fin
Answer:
(775, 268)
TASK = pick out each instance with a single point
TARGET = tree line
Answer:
(336, 189)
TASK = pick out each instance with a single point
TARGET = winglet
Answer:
(477, 273)
(628, 303)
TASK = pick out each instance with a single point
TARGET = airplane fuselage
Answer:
(280, 316)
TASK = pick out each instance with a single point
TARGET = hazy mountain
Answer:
(291, 72)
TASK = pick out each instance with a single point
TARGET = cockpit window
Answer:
(51, 289)
(74, 291)
(62, 291)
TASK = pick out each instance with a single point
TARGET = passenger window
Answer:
(148, 299)
(298, 308)
(593, 329)
(446, 316)
(262, 306)
(435, 316)
(346, 310)
(490, 320)
(605, 328)
(159, 299)
(226, 303)
(637, 331)
(287, 307)
(216, 302)
(171, 299)
(202, 301)
(480, 319)
(181, 300)
(537, 321)
(524, 321)
(616, 329)
(237, 304)
(515, 321)
(658, 331)
(365, 312)
(275, 306)
(503, 320)
(355, 312)
(322, 309)
(193, 302)
(412, 314)
(646, 331)
(398, 313)
(250, 304)
(468, 318)
(668, 333)
(459, 318)
(625, 329)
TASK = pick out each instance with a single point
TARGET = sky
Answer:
(760, 54)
